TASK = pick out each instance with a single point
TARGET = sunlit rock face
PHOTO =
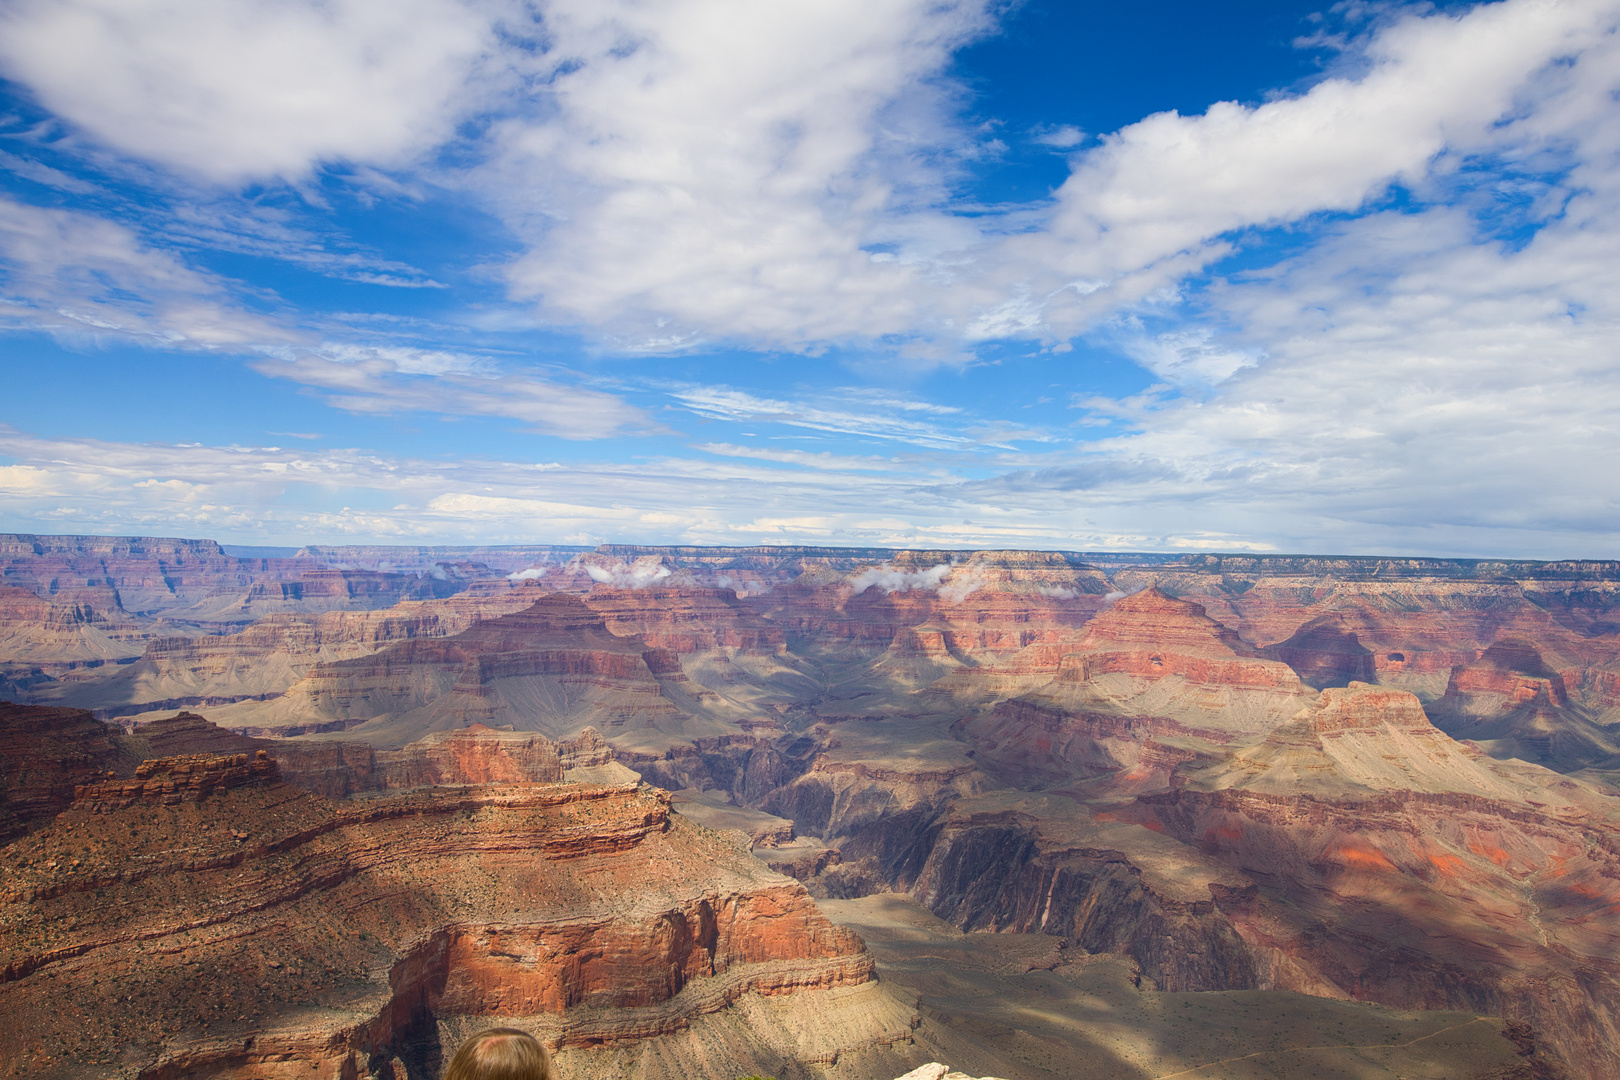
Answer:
(428, 790)
(262, 930)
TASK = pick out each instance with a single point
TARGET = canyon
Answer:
(805, 812)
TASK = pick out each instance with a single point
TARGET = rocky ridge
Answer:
(204, 918)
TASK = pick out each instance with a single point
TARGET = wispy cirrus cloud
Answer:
(81, 275)
(857, 411)
(394, 379)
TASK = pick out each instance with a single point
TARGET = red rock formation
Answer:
(1325, 653)
(68, 632)
(1148, 782)
(45, 754)
(262, 660)
(183, 778)
(338, 769)
(1030, 741)
(149, 573)
(685, 620)
(1513, 700)
(1149, 656)
(1513, 673)
(189, 733)
(990, 604)
(1153, 635)
(262, 931)
(542, 667)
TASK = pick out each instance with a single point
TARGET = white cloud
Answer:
(715, 169)
(818, 460)
(1191, 356)
(390, 379)
(851, 411)
(235, 89)
(40, 173)
(1062, 137)
(615, 573)
(83, 276)
(776, 175)
(249, 227)
(665, 203)
(893, 579)
(1429, 379)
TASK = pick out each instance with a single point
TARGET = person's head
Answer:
(501, 1054)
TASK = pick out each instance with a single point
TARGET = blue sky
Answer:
(1154, 276)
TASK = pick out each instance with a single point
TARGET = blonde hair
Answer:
(501, 1054)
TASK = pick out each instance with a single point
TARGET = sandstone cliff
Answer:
(203, 919)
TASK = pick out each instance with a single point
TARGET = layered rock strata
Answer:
(262, 660)
(553, 667)
(257, 930)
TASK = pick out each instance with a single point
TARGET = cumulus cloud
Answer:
(237, 89)
(1154, 199)
(893, 579)
(779, 175)
(708, 169)
(663, 205)
(640, 574)
(533, 573)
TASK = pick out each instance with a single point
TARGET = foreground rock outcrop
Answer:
(205, 919)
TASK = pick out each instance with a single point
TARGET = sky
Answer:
(1160, 276)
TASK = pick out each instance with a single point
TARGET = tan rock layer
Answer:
(200, 953)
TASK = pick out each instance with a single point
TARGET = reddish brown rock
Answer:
(1325, 653)
(262, 660)
(1512, 700)
(45, 754)
(553, 666)
(685, 620)
(261, 930)
(337, 769)
(183, 778)
(1153, 635)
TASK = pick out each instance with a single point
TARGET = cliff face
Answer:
(150, 573)
(45, 754)
(81, 628)
(263, 659)
(986, 605)
(553, 666)
(1153, 656)
(245, 928)
(685, 620)
(338, 768)
(1356, 851)
(1514, 702)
